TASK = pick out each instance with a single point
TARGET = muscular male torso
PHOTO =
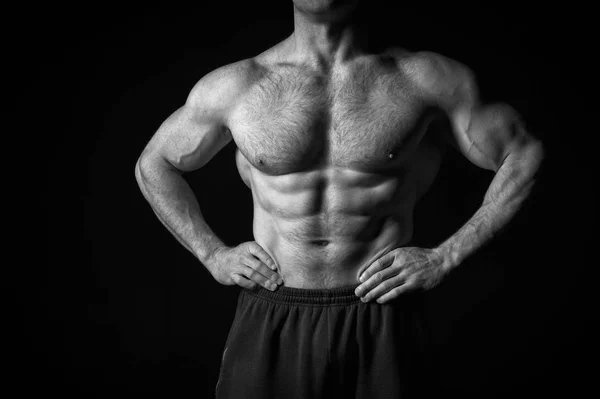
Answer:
(336, 161)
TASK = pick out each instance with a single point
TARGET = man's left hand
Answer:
(399, 271)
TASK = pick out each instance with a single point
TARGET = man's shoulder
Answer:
(432, 70)
(222, 86)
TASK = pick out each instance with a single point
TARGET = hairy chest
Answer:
(291, 121)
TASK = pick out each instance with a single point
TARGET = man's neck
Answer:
(322, 41)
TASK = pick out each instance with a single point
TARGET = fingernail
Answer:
(276, 279)
(362, 278)
(272, 286)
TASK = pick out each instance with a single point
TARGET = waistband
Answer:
(301, 296)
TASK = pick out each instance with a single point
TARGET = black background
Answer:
(116, 307)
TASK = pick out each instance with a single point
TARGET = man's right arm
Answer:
(186, 141)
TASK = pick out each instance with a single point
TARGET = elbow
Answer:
(530, 152)
(533, 160)
(537, 154)
(138, 172)
(527, 160)
(151, 167)
(143, 168)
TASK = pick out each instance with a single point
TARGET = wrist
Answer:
(208, 256)
(448, 256)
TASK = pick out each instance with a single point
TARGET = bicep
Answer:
(193, 134)
(188, 139)
(486, 135)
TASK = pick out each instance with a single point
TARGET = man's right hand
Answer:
(246, 265)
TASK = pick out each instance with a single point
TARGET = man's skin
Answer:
(337, 145)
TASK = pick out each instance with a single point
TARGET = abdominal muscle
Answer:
(323, 228)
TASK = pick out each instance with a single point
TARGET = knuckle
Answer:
(253, 263)
(261, 267)
(264, 269)
(255, 247)
(251, 274)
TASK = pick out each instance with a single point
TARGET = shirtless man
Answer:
(337, 145)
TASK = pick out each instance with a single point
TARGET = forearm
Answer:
(510, 188)
(176, 206)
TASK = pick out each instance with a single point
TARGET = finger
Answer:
(374, 280)
(261, 254)
(264, 270)
(380, 264)
(383, 287)
(395, 292)
(243, 281)
(259, 278)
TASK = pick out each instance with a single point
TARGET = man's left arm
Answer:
(490, 136)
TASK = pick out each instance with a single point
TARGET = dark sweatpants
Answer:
(324, 343)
